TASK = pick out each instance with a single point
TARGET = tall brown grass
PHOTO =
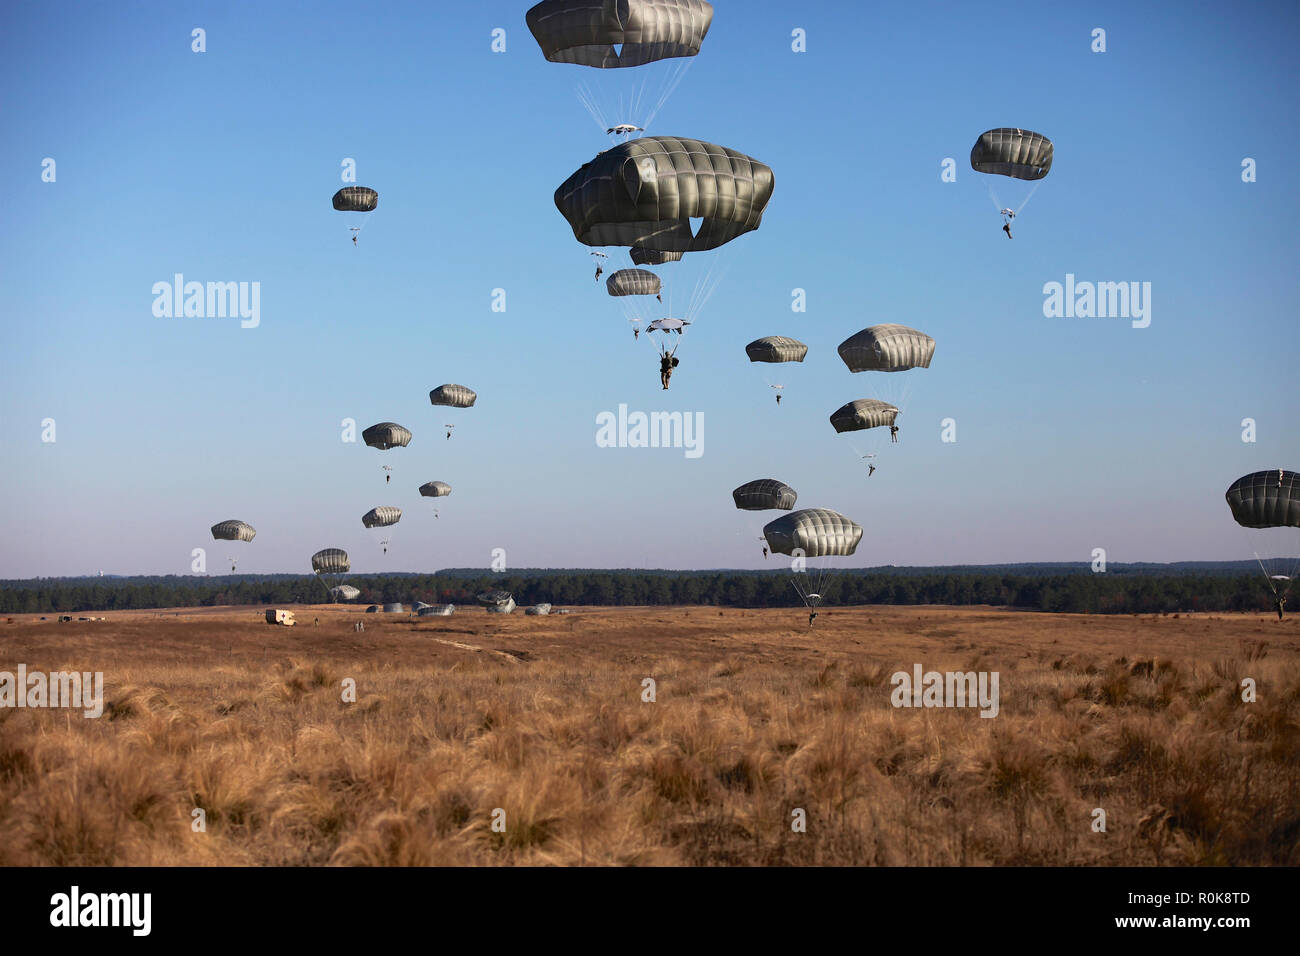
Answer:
(413, 772)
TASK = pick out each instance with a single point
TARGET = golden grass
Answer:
(458, 719)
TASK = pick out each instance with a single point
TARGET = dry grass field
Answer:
(755, 717)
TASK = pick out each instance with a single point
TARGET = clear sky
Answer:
(1072, 433)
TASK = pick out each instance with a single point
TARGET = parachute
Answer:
(633, 282)
(887, 348)
(667, 325)
(437, 610)
(329, 565)
(660, 36)
(653, 257)
(457, 396)
(435, 489)
(613, 34)
(386, 435)
(381, 517)
(1268, 504)
(813, 533)
(776, 348)
(646, 192)
(817, 532)
(233, 530)
(863, 413)
(763, 494)
(356, 199)
(1018, 153)
(345, 592)
(499, 602)
(331, 561)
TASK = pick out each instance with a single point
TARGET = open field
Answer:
(756, 716)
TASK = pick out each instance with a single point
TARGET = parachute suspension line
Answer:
(587, 97)
(1029, 197)
(993, 195)
(678, 73)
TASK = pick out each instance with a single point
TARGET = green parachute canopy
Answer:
(1018, 153)
(646, 192)
(612, 34)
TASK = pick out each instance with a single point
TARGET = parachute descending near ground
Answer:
(613, 34)
(458, 396)
(331, 561)
(863, 413)
(887, 348)
(763, 494)
(646, 192)
(1018, 153)
(386, 435)
(813, 533)
(1268, 503)
(1266, 499)
(776, 348)
(329, 565)
(382, 516)
(816, 532)
(345, 592)
(633, 282)
(233, 530)
(435, 489)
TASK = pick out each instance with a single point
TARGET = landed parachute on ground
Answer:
(653, 257)
(763, 494)
(435, 489)
(776, 348)
(381, 517)
(356, 199)
(1018, 153)
(646, 192)
(613, 34)
(633, 282)
(386, 435)
(863, 413)
(457, 396)
(233, 530)
(887, 348)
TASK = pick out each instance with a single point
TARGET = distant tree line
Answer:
(1109, 593)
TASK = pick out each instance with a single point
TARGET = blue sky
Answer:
(1072, 434)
